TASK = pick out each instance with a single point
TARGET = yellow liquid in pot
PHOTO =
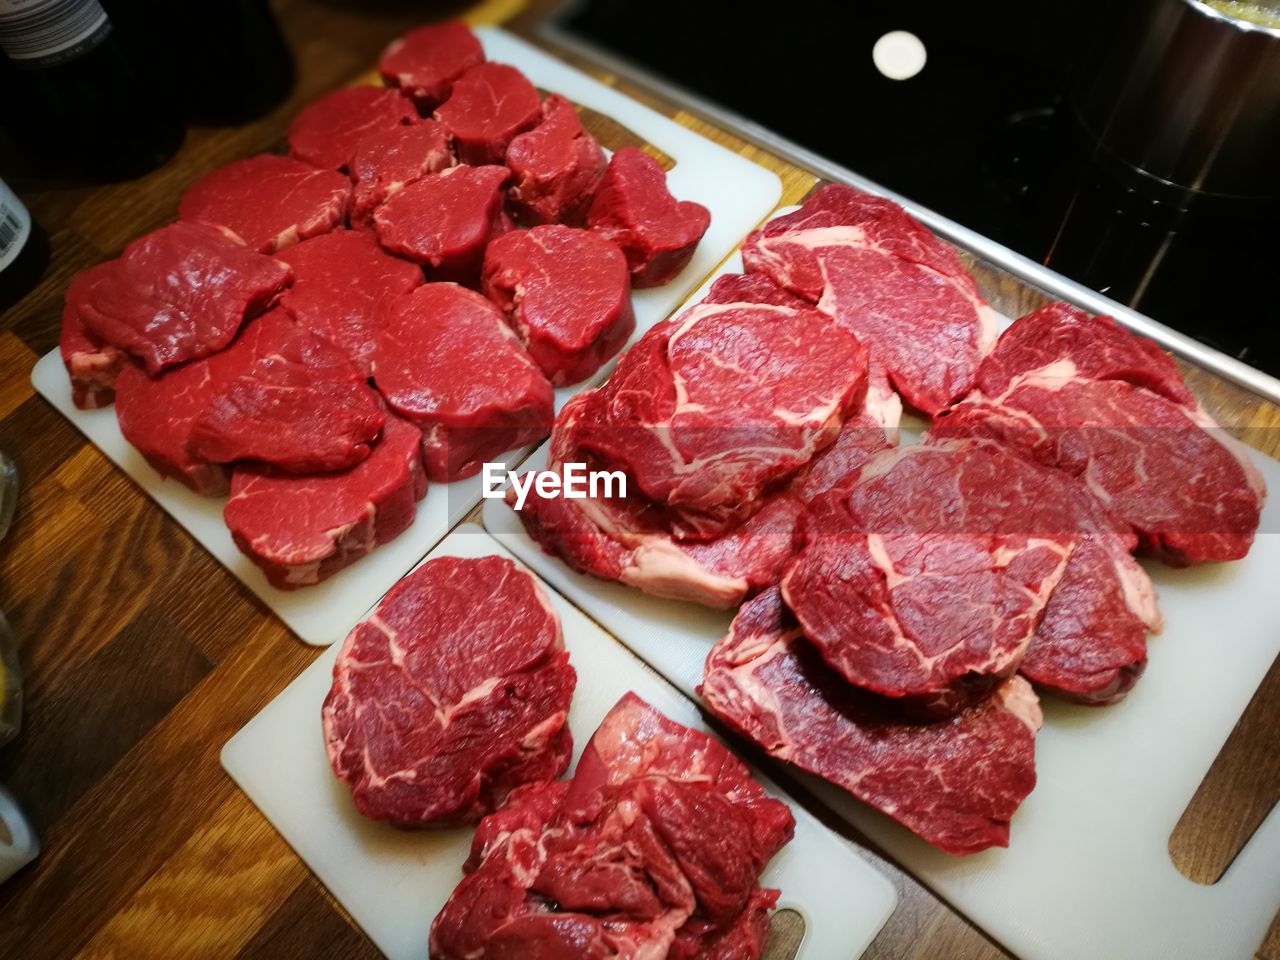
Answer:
(1265, 15)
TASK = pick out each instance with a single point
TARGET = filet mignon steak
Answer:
(303, 529)
(447, 361)
(445, 220)
(452, 693)
(424, 62)
(567, 294)
(387, 161)
(326, 132)
(341, 280)
(177, 294)
(92, 364)
(926, 578)
(289, 399)
(887, 280)
(489, 105)
(654, 849)
(713, 408)
(955, 783)
(270, 202)
(633, 208)
(555, 167)
(157, 415)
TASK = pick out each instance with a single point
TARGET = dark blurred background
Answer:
(984, 134)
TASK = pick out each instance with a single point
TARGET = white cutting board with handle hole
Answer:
(394, 882)
(1087, 874)
(739, 195)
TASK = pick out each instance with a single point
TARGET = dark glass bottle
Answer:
(79, 104)
(233, 67)
(24, 249)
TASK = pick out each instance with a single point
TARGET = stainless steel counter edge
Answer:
(1036, 274)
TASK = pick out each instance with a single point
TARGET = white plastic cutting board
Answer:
(1087, 874)
(738, 193)
(394, 882)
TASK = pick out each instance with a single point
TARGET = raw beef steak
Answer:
(955, 783)
(490, 104)
(341, 281)
(567, 294)
(1075, 392)
(629, 540)
(289, 399)
(326, 132)
(91, 363)
(177, 294)
(654, 849)
(873, 429)
(887, 280)
(386, 162)
(555, 167)
(926, 578)
(712, 409)
(1098, 348)
(1091, 645)
(424, 62)
(445, 220)
(270, 202)
(448, 362)
(157, 414)
(451, 694)
(301, 530)
(634, 209)
(750, 288)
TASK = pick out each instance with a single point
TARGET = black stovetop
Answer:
(983, 134)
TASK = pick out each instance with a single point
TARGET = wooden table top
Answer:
(143, 656)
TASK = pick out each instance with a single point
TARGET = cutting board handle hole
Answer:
(786, 934)
(1236, 795)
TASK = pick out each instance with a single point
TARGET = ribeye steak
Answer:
(956, 783)
(1081, 394)
(654, 849)
(713, 408)
(887, 280)
(925, 579)
(452, 693)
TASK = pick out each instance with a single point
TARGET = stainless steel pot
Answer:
(1189, 95)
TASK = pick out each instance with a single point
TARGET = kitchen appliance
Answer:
(1002, 132)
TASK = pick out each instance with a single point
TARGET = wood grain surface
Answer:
(143, 656)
